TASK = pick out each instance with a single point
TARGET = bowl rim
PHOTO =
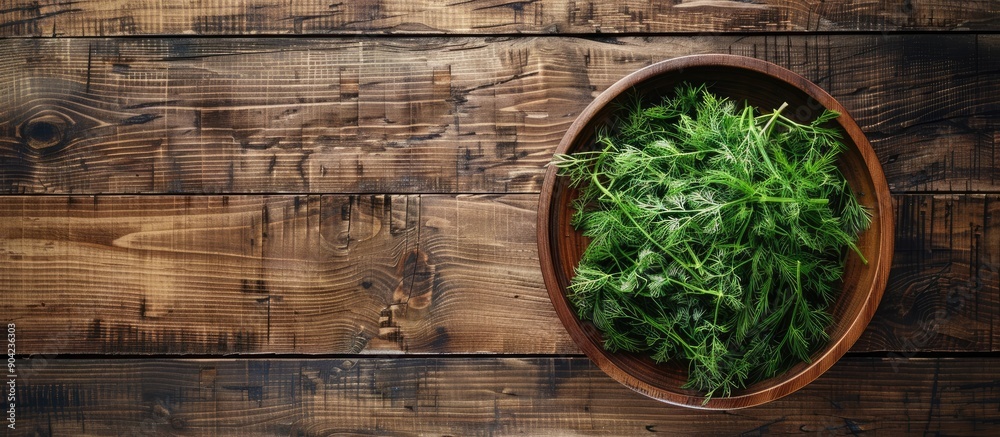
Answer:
(805, 374)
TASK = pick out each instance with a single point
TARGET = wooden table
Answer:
(311, 218)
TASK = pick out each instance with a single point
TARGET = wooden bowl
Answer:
(765, 86)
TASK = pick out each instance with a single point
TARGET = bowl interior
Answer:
(766, 87)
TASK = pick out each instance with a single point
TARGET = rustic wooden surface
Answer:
(459, 115)
(486, 396)
(54, 18)
(278, 218)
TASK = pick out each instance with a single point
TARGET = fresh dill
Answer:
(717, 236)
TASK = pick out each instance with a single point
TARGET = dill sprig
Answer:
(717, 236)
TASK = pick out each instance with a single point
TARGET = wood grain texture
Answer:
(378, 274)
(491, 396)
(284, 274)
(944, 289)
(49, 18)
(435, 115)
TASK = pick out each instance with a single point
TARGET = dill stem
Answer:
(717, 294)
(854, 247)
(767, 127)
(697, 261)
(816, 201)
(764, 133)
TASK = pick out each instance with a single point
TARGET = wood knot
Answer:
(177, 423)
(418, 277)
(45, 132)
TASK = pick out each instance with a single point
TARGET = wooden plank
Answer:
(944, 285)
(482, 396)
(315, 274)
(379, 274)
(49, 18)
(434, 115)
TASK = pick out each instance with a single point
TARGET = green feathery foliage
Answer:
(718, 236)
